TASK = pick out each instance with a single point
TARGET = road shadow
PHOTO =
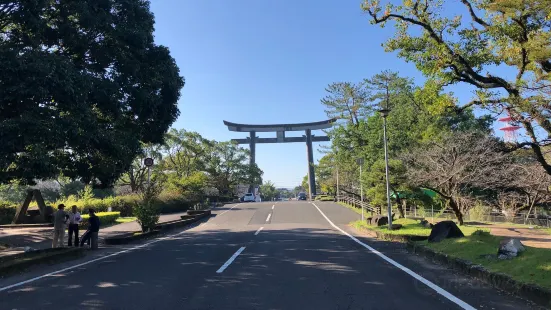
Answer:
(296, 268)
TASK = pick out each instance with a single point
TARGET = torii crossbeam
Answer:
(280, 129)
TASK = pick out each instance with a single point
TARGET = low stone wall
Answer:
(192, 217)
(18, 262)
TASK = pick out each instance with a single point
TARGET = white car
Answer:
(249, 197)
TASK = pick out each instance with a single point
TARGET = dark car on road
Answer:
(301, 196)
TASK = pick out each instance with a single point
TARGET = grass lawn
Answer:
(532, 266)
(351, 207)
(409, 227)
(126, 219)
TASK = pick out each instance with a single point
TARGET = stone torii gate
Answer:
(280, 129)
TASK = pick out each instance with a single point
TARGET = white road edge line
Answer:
(433, 286)
(258, 231)
(273, 207)
(229, 209)
(269, 215)
(5, 288)
(232, 258)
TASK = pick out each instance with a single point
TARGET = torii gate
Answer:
(280, 129)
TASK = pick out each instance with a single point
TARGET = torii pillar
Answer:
(280, 130)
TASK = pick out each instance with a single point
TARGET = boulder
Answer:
(509, 248)
(379, 220)
(425, 224)
(396, 226)
(28, 249)
(444, 230)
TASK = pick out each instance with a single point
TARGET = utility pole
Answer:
(360, 162)
(389, 206)
(338, 194)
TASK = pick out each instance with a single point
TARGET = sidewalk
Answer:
(41, 238)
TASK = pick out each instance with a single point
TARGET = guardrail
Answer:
(357, 203)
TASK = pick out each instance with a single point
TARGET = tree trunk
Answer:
(456, 210)
(400, 205)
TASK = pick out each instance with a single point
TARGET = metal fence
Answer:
(541, 220)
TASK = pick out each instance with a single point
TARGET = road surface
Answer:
(285, 255)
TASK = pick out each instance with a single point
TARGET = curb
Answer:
(161, 228)
(129, 237)
(532, 292)
(535, 293)
(17, 226)
(24, 260)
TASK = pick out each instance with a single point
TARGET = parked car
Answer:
(301, 196)
(249, 197)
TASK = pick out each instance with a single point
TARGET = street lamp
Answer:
(384, 113)
(360, 162)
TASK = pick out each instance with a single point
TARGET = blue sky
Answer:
(252, 61)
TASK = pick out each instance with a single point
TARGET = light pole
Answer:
(338, 196)
(384, 113)
(360, 162)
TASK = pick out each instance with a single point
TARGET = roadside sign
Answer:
(360, 161)
(148, 162)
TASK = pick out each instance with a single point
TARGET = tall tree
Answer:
(186, 152)
(137, 174)
(461, 169)
(227, 166)
(347, 101)
(452, 49)
(268, 191)
(82, 85)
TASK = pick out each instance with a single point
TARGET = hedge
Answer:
(324, 198)
(105, 218)
(168, 202)
(7, 212)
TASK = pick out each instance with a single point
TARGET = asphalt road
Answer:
(286, 255)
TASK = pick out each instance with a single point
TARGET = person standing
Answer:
(60, 219)
(74, 221)
(93, 229)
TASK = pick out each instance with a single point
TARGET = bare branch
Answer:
(478, 103)
(473, 14)
(466, 72)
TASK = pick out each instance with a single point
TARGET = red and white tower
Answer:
(509, 129)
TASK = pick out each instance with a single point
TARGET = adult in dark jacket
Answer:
(93, 229)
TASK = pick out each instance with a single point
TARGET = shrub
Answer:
(146, 211)
(172, 201)
(7, 212)
(326, 198)
(105, 218)
(125, 204)
(479, 212)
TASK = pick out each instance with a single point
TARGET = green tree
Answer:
(192, 187)
(451, 49)
(186, 152)
(268, 191)
(374, 181)
(137, 173)
(347, 101)
(100, 86)
(227, 166)
(409, 124)
(147, 210)
(326, 174)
